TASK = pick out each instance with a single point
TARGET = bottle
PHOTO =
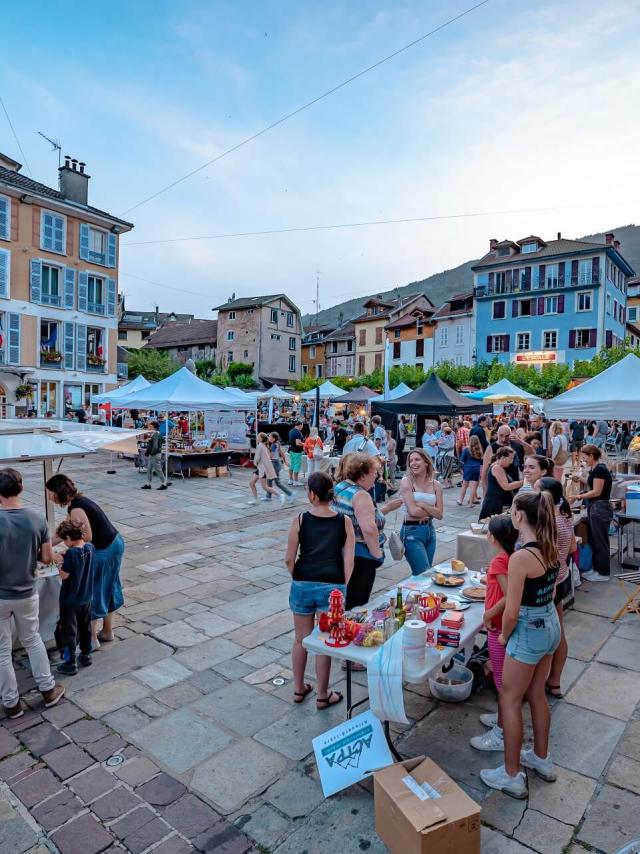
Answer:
(400, 613)
(431, 637)
(391, 626)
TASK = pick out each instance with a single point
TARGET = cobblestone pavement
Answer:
(177, 739)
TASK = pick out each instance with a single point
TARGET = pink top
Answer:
(565, 538)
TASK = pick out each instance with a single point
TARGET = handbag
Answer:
(396, 544)
(362, 550)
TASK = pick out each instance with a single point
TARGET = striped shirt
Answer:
(565, 538)
(344, 493)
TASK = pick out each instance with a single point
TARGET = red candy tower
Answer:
(336, 620)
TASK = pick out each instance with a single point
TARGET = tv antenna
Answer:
(317, 299)
(55, 144)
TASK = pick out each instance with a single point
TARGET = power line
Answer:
(368, 223)
(15, 136)
(306, 106)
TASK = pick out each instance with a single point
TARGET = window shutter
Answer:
(608, 338)
(84, 241)
(595, 270)
(69, 337)
(81, 347)
(574, 272)
(111, 252)
(540, 305)
(541, 274)
(69, 287)
(14, 339)
(505, 343)
(36, 281)
(5, 271)
(514, 308)
(561, 303)
(572, 338)
(561, 274)
(46, 235)
(593, 337)
(534, 307)
(110, 304)
(509, 277)
(492, 278)
(5, 218)
(58, 234)
(83, 290)
(527, 278)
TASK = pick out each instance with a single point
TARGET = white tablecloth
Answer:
(474, 550)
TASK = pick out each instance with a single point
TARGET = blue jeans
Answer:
(419, 546)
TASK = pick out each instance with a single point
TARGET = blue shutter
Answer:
(14, 339)
(53, 233)
(81, 347)
(69, 349)
(36, 281)
(83, 290)
(5, 218)
(5, 269)
(58, 234)
(69, 287)
(46, 237)
(111, 298)
(84, 241)
(112, 241)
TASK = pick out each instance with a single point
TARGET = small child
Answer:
(75, 598)
(503, 536)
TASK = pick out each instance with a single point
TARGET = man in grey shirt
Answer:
(24, 536)
(601, 433)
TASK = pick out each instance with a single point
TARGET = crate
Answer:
(210, 471)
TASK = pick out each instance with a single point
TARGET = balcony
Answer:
(510, 290)
(96, 308)
(123, 370)
(95, 364)
(98, 258)
(51, 299)
(50, 359)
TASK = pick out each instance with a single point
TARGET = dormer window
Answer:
(504, 250)
(530, 247)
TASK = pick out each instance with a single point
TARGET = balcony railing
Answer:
(98, 257)
(96, 367)
(51, 299)
(95, 307)
(510, 290)
(123, 370)
(51, 359)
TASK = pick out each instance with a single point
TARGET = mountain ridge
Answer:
(441, 286)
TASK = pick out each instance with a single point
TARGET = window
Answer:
(584, 338)
(377, 362)
(95, 292)
(122, 334)
(396, 349)
(459, 334)
(290, 318)
(419, 328)
(5, 218)
(292, 364)
(312, 351)
(318, 371)
(632, 314)
(49, 344)
(362, 341)
(95, 347)
(585, 269)
(529, 247)
(50, 292)
(444, 336)
(504, 250)
(229, 357)
(523, 341)
(97, 243)
(396, 333)
(53, 232)
(231, 335)
(501, 283)
(334, 346)
(608, 309)
(379, 334)
(231, 315)
(550, 339)
(305, 370)
(583, 301)
(615, 309)
(420, 347)
(292, 343)
(249, 311)
(525, 307)
(274, 315)
(497, 343)
(360, 364)
(552, 276)
(275, 336)
(499, 309)
(459, 360)
(551, 305)
(245, 354)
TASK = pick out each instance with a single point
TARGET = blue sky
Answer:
(520, 105)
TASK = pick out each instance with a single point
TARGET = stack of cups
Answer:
(413, 643)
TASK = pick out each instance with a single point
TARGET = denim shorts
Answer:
(537, 633)
(307, 597)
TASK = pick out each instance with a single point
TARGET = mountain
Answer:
(443, 285)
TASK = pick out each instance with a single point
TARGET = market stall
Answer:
(611, 394)
(433, 397)
(393, 393)
(504, 391)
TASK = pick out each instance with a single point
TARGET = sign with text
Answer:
(536, 357)
(231, 424)
(350, 752)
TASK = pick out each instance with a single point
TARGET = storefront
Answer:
(538, 358)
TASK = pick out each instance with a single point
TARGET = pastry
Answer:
(458, 565)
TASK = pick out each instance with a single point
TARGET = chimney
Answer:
(157, 315)
(609, 237)
(492, 244)
(74, 181)
(616, 245)
(559, 235)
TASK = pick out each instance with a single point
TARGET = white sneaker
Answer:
(252, 501)
(492, 740)
(542, 767)
(291, 499)
(596, 576)
(490, 719)
(290, 482)
(497, 778)
(283, 498)
(265, 498)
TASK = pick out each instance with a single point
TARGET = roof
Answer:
(409, 319)
(319, 330)
(183, 334)
(342, 333)
(391, 307)
(634, 280)
(433, 397)
(253, 302)
(11, 178)
(531, 239)
(149, 319)
(445, 310)
(549, 250)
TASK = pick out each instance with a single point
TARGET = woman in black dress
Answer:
(500, 486)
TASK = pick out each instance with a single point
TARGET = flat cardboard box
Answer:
(412, 819)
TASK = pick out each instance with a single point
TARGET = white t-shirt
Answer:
(430, 449)
(361, 445)
(381, 433)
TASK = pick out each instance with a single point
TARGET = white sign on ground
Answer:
(232, 424)
(350, 752)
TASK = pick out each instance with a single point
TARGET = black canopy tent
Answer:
(433, 397)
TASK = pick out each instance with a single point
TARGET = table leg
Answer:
(348, 689)
(387, 735)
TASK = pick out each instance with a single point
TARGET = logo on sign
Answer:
(348, 750)
(532, 357)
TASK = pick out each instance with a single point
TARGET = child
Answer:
(503, 536)
(75, 598)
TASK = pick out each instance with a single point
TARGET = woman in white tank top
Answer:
(422, 497)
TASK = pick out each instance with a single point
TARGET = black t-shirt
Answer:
(577, 431)
(77, 589)
(518, 461)
(340, 437)
(103, 532)
(601, 472)
(293, 435)
(478, 431)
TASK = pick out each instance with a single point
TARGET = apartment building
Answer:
(191, 339)
(265, 331)
(454, 338)
(58, 292)
(313, 352)
(340, 351)
(411, 339)
(540, 302)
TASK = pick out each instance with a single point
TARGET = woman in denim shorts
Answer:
(531, 633)
(319, 557)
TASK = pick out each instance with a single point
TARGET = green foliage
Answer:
(245, 381)
(238, 369)
(602, 360)
(205, 368)
(152, 364)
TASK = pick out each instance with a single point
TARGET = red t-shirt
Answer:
(498, 566)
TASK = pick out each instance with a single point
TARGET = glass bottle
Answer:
(400, 613)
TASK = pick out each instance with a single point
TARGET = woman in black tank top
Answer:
(319, 557)
(531, 633)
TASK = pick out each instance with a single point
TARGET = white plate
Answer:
(460, 606)
(446, 570)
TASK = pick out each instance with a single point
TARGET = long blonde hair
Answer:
(540, 511)
(424, 455)
(475, 448)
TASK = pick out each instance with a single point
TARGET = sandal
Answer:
(458, 502)
(329, 701)
(302, 694)
(553, 691)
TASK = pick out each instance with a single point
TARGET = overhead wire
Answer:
(305, 106)
(15, 136)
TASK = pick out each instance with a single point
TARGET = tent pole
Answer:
(47, 470)
(166, 448)
(111, 469)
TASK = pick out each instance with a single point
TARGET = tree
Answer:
(154, 365)
(238, 369)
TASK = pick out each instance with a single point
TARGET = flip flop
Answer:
(553, 691)
(302, 694)
(329, 701)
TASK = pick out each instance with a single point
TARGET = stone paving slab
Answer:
(612, 820)
(610, 690)
(582, 740)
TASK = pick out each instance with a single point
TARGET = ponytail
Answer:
(540, 512)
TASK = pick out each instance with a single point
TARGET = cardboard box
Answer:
(211, 471)
(420, 810)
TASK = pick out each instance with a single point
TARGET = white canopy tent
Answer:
(328, 391)
(615, 393)
(274, 393)
(137, 384)
(392, 394)
(503, 391)
(182, 391)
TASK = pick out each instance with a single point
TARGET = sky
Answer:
(524, 111)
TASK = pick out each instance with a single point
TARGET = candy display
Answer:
(336, 620)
